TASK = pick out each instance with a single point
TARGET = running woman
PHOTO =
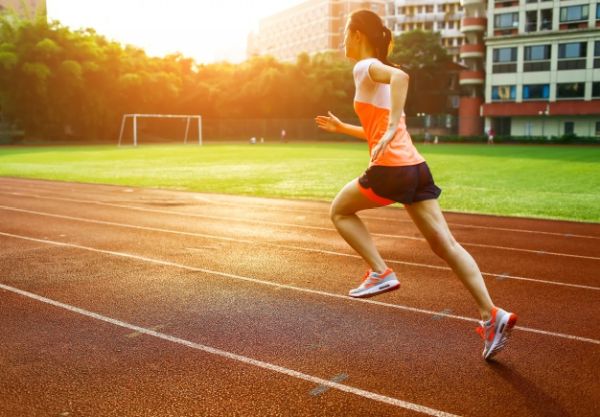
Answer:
(397, 173)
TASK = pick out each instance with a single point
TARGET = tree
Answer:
(421, 55)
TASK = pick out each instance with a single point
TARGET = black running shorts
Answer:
(404, 184)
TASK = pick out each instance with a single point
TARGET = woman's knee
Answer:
(335, 212)
(442, 244)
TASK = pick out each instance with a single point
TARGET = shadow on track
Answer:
(538, 402)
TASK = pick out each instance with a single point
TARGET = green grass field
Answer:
(534, 181)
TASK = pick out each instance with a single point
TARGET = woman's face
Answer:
(350, 46)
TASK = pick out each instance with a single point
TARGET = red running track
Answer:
(140, 302)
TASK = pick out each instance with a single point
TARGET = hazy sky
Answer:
(206, 30)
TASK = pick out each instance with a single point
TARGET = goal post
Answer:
(135, 117)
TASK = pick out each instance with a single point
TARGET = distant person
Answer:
(283, 134)
(427, 137)
(491, 134)
(397, 173)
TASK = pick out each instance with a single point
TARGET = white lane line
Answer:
(233, 356)
(285, 286)
(300, 226)
(322, 388)
(276, 245)
(195, 196)
(442, 314)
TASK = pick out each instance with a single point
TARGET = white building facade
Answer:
(543, 68)
(442, 16)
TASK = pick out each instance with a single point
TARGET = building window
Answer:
(537, 53)
(546, 19)
(429, 9)
(572, 50)
(574, 13)
(531, 20)
(537, 58)
(596, 89)
(536, 91)
(506, 20)
(570, 90)
(505, 54)
(569, 128)
(505, 60)
(597, 128)
(572, 55)
(504, 93)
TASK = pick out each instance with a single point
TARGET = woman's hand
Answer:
(329, 123)
(381, 146)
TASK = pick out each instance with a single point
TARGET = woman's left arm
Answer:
(398, 81)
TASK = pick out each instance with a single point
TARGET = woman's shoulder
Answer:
(364, 63)
(361, 69)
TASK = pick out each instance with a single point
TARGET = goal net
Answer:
(160, 128)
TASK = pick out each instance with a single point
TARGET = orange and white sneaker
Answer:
(496, 331)
(374, 283)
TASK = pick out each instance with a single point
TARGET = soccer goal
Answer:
(136, 120)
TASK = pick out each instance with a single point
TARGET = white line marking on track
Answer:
(233, 356)
(285, 286)
(37, 188)
(246, 241)
(442, 314)
(322, 388)
(300, 226)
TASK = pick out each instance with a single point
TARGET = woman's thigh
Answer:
(429, 219)
(350, 200)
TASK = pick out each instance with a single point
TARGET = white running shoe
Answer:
(374, 283)
(496, 331)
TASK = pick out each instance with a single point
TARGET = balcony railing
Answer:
(536, 66)
(505, 3)
(571, 64)
(506, 31)
(472, 51)
(471, 77)
(473, 24)
(573, 25)
(472, 2)
(504, 68)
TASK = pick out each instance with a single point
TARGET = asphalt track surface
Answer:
(118, 301)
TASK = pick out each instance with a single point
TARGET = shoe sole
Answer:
(501, 337)
(377, 289)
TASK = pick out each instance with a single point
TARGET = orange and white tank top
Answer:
(372, 103)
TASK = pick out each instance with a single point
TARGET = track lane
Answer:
(110, 371)
(564, 245)
(538, 265)
(398, 353)
(185, 200)
(431, 291)
(522, 372)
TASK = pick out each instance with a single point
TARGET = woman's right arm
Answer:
(333, 124)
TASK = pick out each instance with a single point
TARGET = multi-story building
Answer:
(442, 16)
(472, 78)
(312, 26)
(25, 8)
(542, 67)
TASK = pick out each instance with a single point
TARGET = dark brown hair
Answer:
(370, 25)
